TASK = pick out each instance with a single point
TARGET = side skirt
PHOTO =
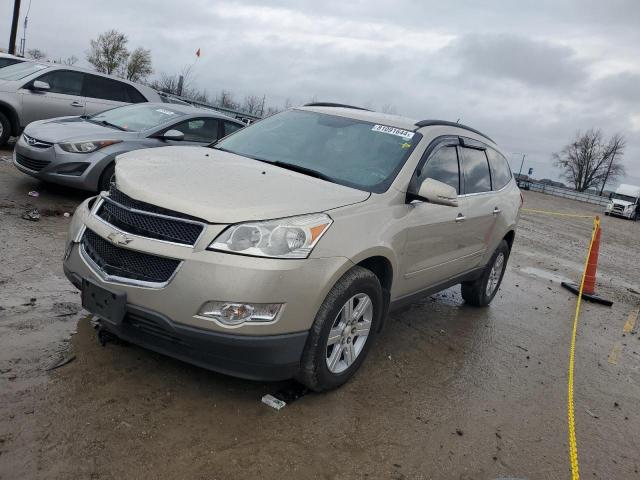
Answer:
(469, 276)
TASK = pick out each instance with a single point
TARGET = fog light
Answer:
(231, 313)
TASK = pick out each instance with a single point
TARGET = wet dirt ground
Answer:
(448, 391)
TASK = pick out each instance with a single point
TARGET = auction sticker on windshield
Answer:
(393, 131)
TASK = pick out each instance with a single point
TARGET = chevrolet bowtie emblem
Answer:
(119, 238)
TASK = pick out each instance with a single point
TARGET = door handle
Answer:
(76, 104)
(460, 218)
(496, 211)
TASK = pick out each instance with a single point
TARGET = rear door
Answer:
(63, 98)
(104, 93)
(481, 206)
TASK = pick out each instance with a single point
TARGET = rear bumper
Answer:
(265, 357)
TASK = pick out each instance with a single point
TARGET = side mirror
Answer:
(173, 135)
(437, 192)
(40, 86)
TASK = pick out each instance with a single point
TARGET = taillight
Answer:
(521, 199)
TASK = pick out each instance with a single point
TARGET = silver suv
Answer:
(32, 91)
(278, 252)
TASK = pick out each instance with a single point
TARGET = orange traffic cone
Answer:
(589, 287)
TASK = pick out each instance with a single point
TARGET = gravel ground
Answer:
(448, 391)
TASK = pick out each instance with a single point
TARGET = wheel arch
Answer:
(10, 112)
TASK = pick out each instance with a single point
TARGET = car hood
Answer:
(222, 187)
(65, 129)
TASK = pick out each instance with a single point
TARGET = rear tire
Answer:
(339, 340)
(5, 129)
(105, 178)
(480, 292)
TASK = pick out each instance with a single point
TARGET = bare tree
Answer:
(225, 100)
(72, 60)
(588, 160)
(109, 54)
(615, 148)
(36, 54)
(138, 67)
(252, 104)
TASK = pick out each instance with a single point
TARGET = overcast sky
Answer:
(529, 74)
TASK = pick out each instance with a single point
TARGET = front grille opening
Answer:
(127, 263)
(31, 163)
(172, 230)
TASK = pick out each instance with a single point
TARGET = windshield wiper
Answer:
(105, 123)
(298, 168)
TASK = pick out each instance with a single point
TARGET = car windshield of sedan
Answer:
(136, 118)
(18, 71)
(350, 152)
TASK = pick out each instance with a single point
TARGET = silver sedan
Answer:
(79, 152)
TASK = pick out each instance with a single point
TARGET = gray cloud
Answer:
(529, 74)
(531, 62)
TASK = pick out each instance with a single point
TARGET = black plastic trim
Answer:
(445, 123)
(337, 105)
(468, 276)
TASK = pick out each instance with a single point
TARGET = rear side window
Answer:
(63, 81)
(133, 95)
(500, 170)
(476, 171)
(105, 89)
(230, 127)
(443, 166)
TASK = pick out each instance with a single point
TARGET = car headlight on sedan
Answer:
(292, 237)
(86, 147)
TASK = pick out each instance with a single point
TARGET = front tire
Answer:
(480, 292)
(5, 129)
(106, 177)
(342, 332)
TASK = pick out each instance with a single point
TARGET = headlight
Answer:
(292, 237)
(87, 147)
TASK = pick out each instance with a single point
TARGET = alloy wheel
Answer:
(349, 333)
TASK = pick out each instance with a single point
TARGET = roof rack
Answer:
(329, 104)
(431, 123)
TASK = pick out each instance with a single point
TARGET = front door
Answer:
(435, 235)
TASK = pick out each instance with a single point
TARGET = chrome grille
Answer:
(125, 263)
(34, 142)
(140, 218)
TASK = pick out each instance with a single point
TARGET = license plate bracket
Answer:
(108, 305)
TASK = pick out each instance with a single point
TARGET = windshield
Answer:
(21, 70)
(626, 198)
(343, 150)
(135, 118)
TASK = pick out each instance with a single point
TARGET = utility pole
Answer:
(521, 164)
(14, 27)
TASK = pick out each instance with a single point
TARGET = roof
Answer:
(397, 121)
(626, 189)
(365, 115)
